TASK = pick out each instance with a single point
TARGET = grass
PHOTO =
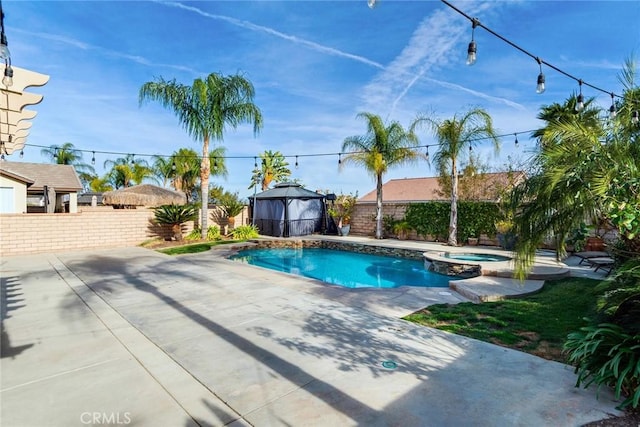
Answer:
(195, 247)
(537, 324)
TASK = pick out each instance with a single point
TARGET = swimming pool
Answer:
(348, 269)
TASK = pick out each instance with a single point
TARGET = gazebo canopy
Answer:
(144, 195)
(288, 190)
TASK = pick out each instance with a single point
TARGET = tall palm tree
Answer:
(273, 168)
(455, 136)
(67, 154)
(204, 109)
(380, 149)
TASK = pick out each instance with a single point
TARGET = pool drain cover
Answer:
(389, 364)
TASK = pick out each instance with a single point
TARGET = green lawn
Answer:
(536, 324)
(195, 247)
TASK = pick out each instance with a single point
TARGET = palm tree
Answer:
(163, 168)
(454, 137)
(101, 185)
(67, 154)
(186, 169)
(127, 171)
(381, 148)
(204, 110)
(587, 168)
(273, 168)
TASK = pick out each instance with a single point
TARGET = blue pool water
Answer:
(348, 269)
(476, 257)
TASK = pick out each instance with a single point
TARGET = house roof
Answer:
(288, 190)
(60, 177)
(428, 188)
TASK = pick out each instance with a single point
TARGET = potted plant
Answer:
(341, 212)
(506, 236)
(472, 240)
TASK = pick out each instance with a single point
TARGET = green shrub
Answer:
(474, 218)
(605, 354)
(245, 232)
(213, 233)
(175, 216)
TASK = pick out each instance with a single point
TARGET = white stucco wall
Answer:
(19, 195)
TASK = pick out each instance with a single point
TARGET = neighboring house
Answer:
(487, 187)
(38, 188)
(87, 199)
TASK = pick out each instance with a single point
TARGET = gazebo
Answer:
(288, 210)
(143, 195)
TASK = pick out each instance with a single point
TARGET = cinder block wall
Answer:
(99, 227)
(363, 220)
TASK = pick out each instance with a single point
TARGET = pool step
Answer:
(492, 288)
(538, 272)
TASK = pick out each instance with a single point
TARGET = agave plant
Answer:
(174, 216)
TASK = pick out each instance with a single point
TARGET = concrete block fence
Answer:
(99, 227)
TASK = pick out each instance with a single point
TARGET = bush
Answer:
(213, 233)
(606, 354)
(245, 232)
(175, 216)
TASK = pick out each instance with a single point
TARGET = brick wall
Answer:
(99, 227)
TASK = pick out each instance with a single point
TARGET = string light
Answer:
(7, 80)
(473, 48)
(540, 87)
(580, 100)
(426, 155)
(93, 157)
(339, 158)
(21, 153)
(255, 162)
(516, 141)
(296, 162)
(634, 117)
(612, 109)
(173, 165)
(476, 23)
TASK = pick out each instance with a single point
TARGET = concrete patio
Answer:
(131, 336)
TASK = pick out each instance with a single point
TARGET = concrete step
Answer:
(492, 288)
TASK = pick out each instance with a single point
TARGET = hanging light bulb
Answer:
(473, 48)
(634, 117)
(426, 155)
(173, 166)
(55, 153)
(215, 162)
(296, 162)
(21, 153)
(255, 162)
(540, 88)
(93, 157)
(372, 3)
(7, 80)
(339, 158)
(516, 141)
(580, 100)
(4, 49)
(612, 109)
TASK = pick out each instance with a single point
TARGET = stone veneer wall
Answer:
(91, 228)
(343, 246)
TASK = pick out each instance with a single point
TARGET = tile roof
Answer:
(428, 188)
(60, 177)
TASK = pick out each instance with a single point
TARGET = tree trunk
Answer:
(205, 171)
(379, 206)
(453, 219)
(176, 229)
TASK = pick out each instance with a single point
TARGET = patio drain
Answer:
(389, 364)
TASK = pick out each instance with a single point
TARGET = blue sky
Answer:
(315, 65)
